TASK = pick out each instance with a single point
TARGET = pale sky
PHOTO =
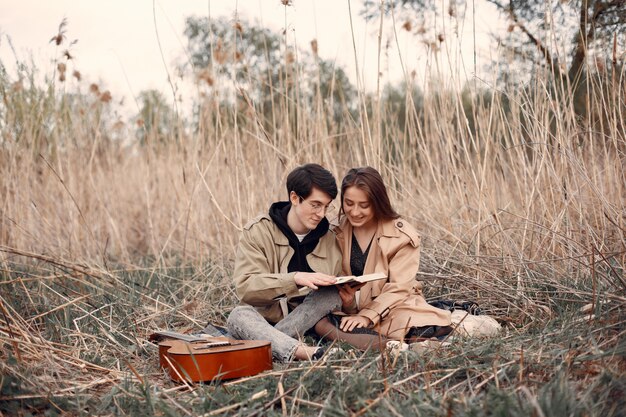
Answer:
(118, 46)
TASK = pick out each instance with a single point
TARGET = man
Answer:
(286, 265)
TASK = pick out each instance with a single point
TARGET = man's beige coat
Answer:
(263, 254)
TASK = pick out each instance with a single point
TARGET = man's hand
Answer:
(350, 323)
(313, 279)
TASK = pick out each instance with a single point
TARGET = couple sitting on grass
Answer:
(288, 259)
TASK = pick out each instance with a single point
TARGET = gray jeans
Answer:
(246, 323)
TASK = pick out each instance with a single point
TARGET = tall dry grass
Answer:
(532, 187)
(104, 238)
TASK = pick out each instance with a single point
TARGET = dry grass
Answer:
(103, 241)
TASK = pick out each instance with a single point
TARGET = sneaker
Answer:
(417, 334)
(318, 354)
(420, 333)
(395, 346)
(324, 353)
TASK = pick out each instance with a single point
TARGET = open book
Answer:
(355, 280)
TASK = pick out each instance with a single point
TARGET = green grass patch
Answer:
(77, 343)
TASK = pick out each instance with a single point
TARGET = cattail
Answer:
(511, 28)
(314, 46)
(441, 37)
(94, 89)
(286, 2)
(205, 75)
(218, 53)
(77, 75)
(61, 67)
(60, 36)
(600, 64)
(106, 97)
(432, 45)
(57, 39)
(407, 26)
(238, 27)
(290, 58)
(452, 10)
(61, 76)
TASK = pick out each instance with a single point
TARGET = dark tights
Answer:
(364, 339)
(360, 338)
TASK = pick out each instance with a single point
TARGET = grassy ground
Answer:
(104, 239)
(75, 341)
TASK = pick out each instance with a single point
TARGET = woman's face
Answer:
(357, 207)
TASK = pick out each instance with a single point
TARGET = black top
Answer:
(278, 213)
(358, 257)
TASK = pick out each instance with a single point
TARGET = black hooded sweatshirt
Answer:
(278, 213)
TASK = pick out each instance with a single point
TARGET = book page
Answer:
(360, 279)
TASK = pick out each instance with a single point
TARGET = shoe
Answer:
(424, 332)
(324, 353)
(395, 347)
(416, 334)
(442, 331)
(450, 305)
(318, 354)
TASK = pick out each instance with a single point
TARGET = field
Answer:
(519, 198)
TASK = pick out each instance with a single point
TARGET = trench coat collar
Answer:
(389, 228)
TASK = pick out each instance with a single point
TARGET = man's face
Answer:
(309, 212)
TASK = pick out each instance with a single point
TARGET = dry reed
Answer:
(103, 239)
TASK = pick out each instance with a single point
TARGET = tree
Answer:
(276, 77)
(395, 100)
(538, 28)
(331, 85)
(156, 119)
(222, 52)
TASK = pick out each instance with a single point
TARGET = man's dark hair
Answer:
(302, 180)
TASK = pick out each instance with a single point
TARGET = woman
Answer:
(373, 238)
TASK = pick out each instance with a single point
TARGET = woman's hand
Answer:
(347, 294)
(350, 323)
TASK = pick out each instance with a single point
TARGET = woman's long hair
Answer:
(370, 181)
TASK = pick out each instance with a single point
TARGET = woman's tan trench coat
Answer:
(396, 304)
